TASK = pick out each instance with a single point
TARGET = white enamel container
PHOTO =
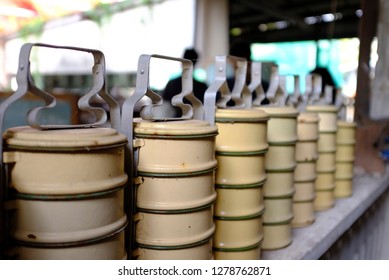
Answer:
(175, 189)
(67, 192)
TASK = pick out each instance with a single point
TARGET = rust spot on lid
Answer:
(31, 236)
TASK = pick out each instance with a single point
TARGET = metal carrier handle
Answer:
(26, 85)
(192, 110)
(147, 112)
(256, 83)
(240, 94)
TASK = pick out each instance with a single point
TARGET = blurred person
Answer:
(174, 86)
(327, 80)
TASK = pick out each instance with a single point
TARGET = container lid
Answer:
(346, 124)
(173, 128)
(276, 111)
(25, 137)
(308, 117)
(241, 115)
(322, 108)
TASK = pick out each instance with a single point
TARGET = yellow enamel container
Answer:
(308, 126)
(197, 251)
(305, 171)
(324, 200)
(239, 200)
(327, 142)
(238, 233)
(325, 180)
(67, 161)
(169, 193)
(277, 236)
(108, 248)
(278, 209)
(304, 214)
(175, 147)
(241, 130)
(278, 183)
(304, 191)
(241, 146)
(346, 133)
(344, 170)
(175, 189)
(328, 115)
(306, 151)
(282, 126)
(248, 253)
(280, 157)
(174, 228)
(345, 153)
(343, 188)
(326, 162)
(68, 192)
(240, 169)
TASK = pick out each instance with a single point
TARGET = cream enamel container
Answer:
(241, 130)
(40, 157)
(280, 164)
(68, 193)
(308, 126)
(307, 147)
(238, 234)
(344, 158)
(240, 164)
(239, 201)
(282, 126)
(325, 182)
(241, 146)
(175, 190)
(197, 251)
(328, 115)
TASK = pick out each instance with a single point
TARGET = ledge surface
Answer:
(313, 241)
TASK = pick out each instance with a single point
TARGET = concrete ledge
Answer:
(313, 241)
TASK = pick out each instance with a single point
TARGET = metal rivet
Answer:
(142, 71)
(220, 69)
(22, 67)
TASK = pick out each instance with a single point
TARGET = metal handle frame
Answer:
(240, 94)
(26, 85)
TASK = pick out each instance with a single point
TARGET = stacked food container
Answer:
(305, 172)
(64, 184)
(344, 158)
(240, 151)
(325, 165)
(280, 165)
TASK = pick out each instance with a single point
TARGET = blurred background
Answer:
(297, 35)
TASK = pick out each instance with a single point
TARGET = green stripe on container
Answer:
(288, 143)
(248, 217)
(71, 244)
(279, 223)
(289, 195)
(243, 120)
(176, 211)
(243, 186)
(176, 247)
(173, 175)
(65, 149)
(250, 153)
(290, 169)
(26, 196)
(187, 136)
(242, 249)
